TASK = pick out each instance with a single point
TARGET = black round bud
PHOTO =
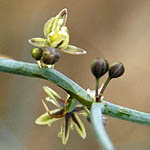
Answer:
(50, 57)
(99, 67)
(37, 53)
(116, 70)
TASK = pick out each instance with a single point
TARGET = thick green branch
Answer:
(32, 70)
(98, 126)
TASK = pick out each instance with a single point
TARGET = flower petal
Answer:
(64, 132)
(39, 42)
(84, 114)
(55, 23)
(63, 13)
(71, 125)
(60, 20)
(51, 93)
(48, 26)
(78, 125)
(53, 96)
(73, 50)
(59, 38)
(53, 101)
(65, 38)
(58, 113)
(45, 119)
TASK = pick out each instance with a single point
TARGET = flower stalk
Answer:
(96, 89)
(103, 87)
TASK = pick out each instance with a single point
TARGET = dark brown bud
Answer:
(116, 70)
(50, 56)
(37, 53)
(99, 67)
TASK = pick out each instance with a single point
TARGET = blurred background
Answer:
(115, 30)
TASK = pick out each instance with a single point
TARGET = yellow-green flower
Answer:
(57, 35)
(70, 119)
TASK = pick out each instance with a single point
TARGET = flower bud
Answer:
(37, 53)
(50, 56)
(99, 67)
(116, 70)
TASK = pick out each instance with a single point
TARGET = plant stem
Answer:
(32, 70)
(104, 85)
(96, 89)
(98, 126)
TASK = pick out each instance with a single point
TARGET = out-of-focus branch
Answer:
(98, 126)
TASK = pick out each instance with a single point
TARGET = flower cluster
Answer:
(100, 67)
(70, 118)
(56, 36)
(68, 110)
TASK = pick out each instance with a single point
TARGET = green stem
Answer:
(96, 89)
(104, 85)
(98, 126)
(124, 113)
(32, 70)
